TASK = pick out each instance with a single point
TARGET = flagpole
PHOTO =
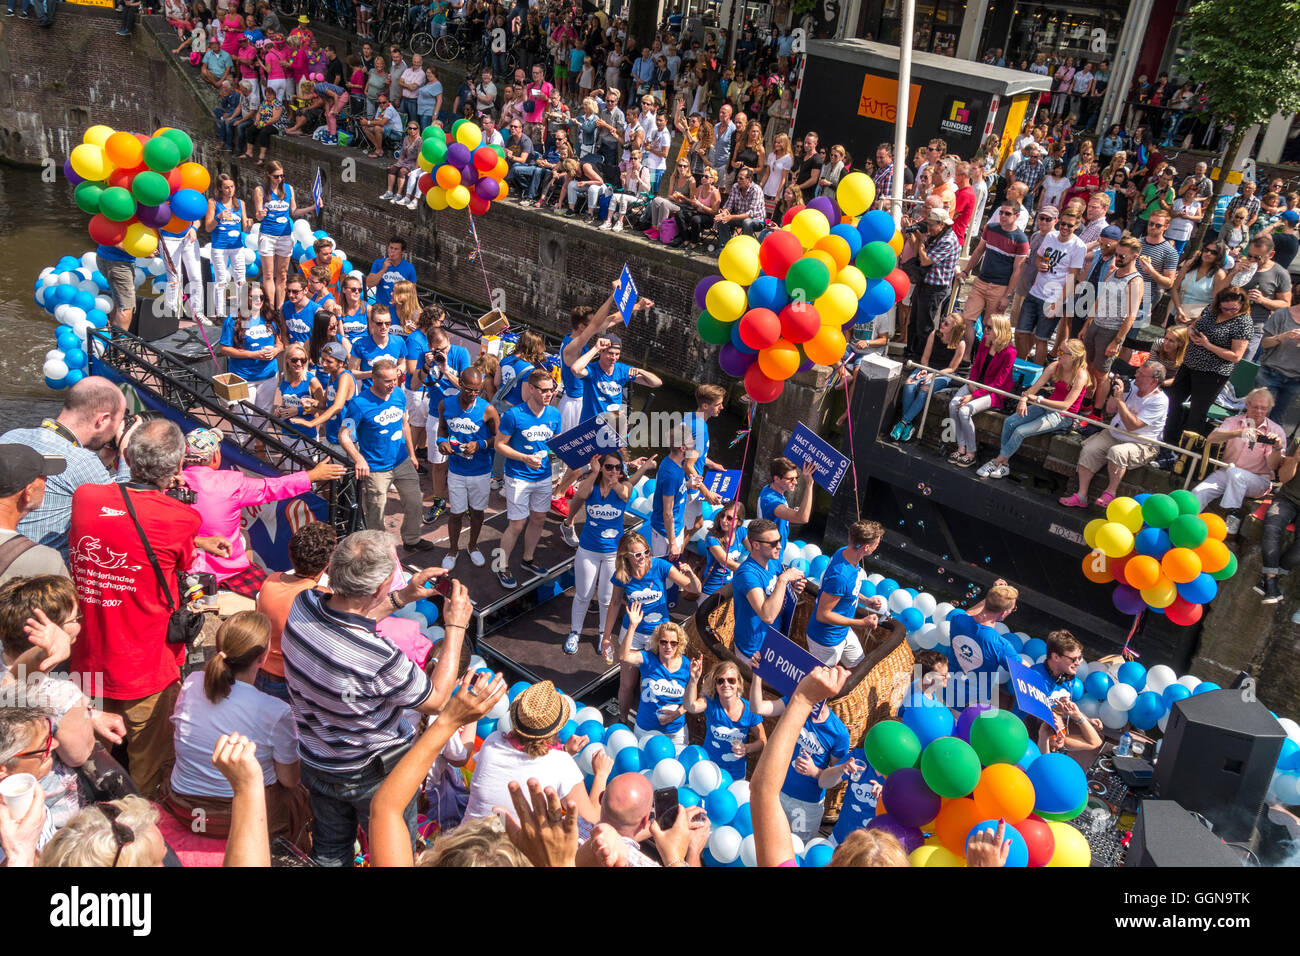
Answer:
(900, 115)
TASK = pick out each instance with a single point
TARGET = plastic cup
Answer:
(17, 791)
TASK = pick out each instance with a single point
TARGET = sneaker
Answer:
(618, 226)
(412, 204)
(1233, 524)
(528, 202)
(449, 562)
(1259, 587)
(10, 13)
(605, 226)
(507, 580)
(896, 433)
(571, 643)
(569, 535)
(396, 199)
(533, 567)
(124, 33)
(436, 511)
(908, 431)
(422, 545)
(560, 506)
(1000, 471)
(496, 484)
(387, 196)
(1272, 593)
(476, 558)
(986, 470)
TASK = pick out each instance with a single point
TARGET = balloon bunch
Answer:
(1285, 788)
(1161, 552)
(946, 779)
(788, 303)
(134, 185)
(1122, 694)
(461, 171)
(75, 292)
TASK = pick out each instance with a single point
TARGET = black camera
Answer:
(185, 496)
(914, 230)
(139, 418)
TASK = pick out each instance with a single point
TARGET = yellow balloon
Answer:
(852, 277)
(896, 243)
(89, 162)
(726, 301)
(436, 198)
(469, 136)
(97, 135)
(1090, 531)
(424, 163)
(855, 194)
(825, 258)
(1114, 539)
(808, 227)
(738, 261)
(1071, 846)
(1127, 512)
(933, 855)
(458, 196)
(837, 304)
(1162, 594)
(140, 240)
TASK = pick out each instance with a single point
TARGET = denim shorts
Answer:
(1034, 319)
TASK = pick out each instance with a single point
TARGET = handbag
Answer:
(184, 625)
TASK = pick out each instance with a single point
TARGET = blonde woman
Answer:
(837, 164)
(994, 359)
(299, 394)
(664, 671)
(733, 730)
(405, 306)
(1039, 415)
(776, 171)
(119, 833)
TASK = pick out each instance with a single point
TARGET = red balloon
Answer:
(121, 177)
(106, 232)
(800, 321)
(759, 328)
(485, 158)
(478, 205)
(901, 283)
(143, 139)
(1183, 613)
(426, 183)
(174, 178)
(779, 251)
(791, 213)
(1040, 839)
(759, 387)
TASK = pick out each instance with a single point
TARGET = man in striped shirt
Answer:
(999, 258)
(351, 688)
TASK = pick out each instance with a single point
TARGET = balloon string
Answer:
(478, 254)
(749, 430)
(1126, 651)
(848, 420)
(183, 297)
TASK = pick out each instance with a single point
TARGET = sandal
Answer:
(1074, 501)
(966, 461)
(955, 458)
(1104, 499)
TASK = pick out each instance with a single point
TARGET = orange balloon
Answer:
(447, 176)
(779, 360)
(1004, 791)
(896, 243)
(826, 347)
(1181, 565)
(194, 176)
(1096, 567)
(954, 823)
(124, 150)
(177, 224)
(1142, 571)
(1215, 525)
(498, 172)
(838, 249)
(1214, 554)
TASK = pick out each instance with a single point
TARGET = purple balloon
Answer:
(824, 206)
(962, 730)
(910, 837)
(702, 290)
(735, 362)
(457, 155)
(909, 800)
(488, 189)
(70, 174)
(806, 365)
(1127, 600)
(469, 175)
(154, 216)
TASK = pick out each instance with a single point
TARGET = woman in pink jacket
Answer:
(994, 359)
(220, 496)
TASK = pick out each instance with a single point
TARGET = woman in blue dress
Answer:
(250, 341)
(733, 731)
(299, 395)
(663, 673)
(725, 545)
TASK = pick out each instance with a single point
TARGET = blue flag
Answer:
(724, 484)
(804, 445)
(317, 188)
(579, 444)
(626, 296)
(1033, 696)
(782, 663)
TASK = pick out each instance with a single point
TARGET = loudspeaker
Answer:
(1167, 835)
(194, 347)
(1217, 759)
(152, 324)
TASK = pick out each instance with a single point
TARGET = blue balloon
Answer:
(850, 235)
(721, 806)
(74, 376)
(818, 566)
(1019, 854)
(1035, 647)
(485, 727)
(801, 564)
(768, 292)
(868, 589)
(912, 619)
(517, 688)
(609, 731)
(188, 204)
(649, 489)
(83, 300)
(1075, 686)
(1142, 497)
(1133, 674)
(67, 264)
(1200, 590)
(51, 383)
(1097, 685)
(568, 730)
(1146, 710)
(742, 821)
(820, 855)
(953, 613)
(876, 226)
(1015, 642)
(1153, 542)
(928, 718)
(692, 755)
(320, 234)
(738, 342)
(912, 591)
(886, 587)
(686, 797)
(658, 748)
(879, 298)
(1032, 753)
(1059, 782)
(98, 278)
(98, 318)
(1289, 762)
(628, 760)
(1174, 692)
(727, 780)
(593, 730)
(63, 295)
(65, 338)
(1204, 687)
(75, 358)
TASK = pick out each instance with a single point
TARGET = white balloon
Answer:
(724, 844)
(1190, 681)
(54, 355)
(590, 713)
(361, 275)
(798, 845)
(811, 552)
(104, 304)
(925, 603)
(585, 757)
(505, 725)
(56, 370)
(1001, 628)
(944, 634)
(73, 315)
(1285, 785)
(69, 278)
(500, 709)
(572, 705)
(875, 578)
(156, 266)
(1121, 696)
(1003, 675)
(668, 772)
(941, 612)
(1082, 671)
(88, 260)
(343, 256)
(1163, 722)
(1024, 659)
(748, 851)
(927, 637)
(60, 311)
(40, 296)
(740, 790)
(818, 841)
(46, 273)
(1291, 727)
(1090, 707)
(791, 553)
(705, 777)
(88, 286)
(1111, 718)
(475, 662)
(434, 632)
(1160, 677)
(619, 740)
(899, 601)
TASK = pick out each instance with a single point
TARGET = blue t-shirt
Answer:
(859, 807)
(292, 396)
(670, 482)
(572, 384)
(356, 324)
(366, 350)
(466, 425)
(661, 688)
(717, 574)
(826, 744)
(331, 384)
(384, 291)
(601, 390)
(977, 648)
(299, 320)
(417, 343)
(651, 590)
(840, 579)
(602, 525)
(439, 384)
(529, 435)
(514, 371)
(257, 335)
(722, 731)
(699, 430)
(276, 220)
(229, 235)
(376, 426)
(113, 254)
(751, 630)
(769, 499)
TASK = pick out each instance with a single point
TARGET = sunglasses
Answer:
(43, 751)
(122, 833)
(1045, 219)
(638, 555)
(771, 542)
(667, 643)
(611, 467)
(380, 325)
(277, 175)
(297, 361)
(726, 680)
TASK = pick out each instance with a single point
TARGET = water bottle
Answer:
(1125, 745)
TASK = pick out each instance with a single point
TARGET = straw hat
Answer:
(539, 712)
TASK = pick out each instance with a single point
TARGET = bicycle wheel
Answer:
(446, 48)
(512, 62)
(287, 8)
(422, 43)
(383, 32)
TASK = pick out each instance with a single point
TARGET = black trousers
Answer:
(1202, 388)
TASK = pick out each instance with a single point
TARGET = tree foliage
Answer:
(1247, 53)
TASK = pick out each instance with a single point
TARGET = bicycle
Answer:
(338, 13)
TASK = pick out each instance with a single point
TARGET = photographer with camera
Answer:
(1255, 444)
(130, 547)
(938, 255)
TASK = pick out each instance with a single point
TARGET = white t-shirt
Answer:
(1062, 257)
(263, 719)
(659, 138)
(777, 166)
(499, 762)
(1053, 190)
(1180, 229)
(1153, 409)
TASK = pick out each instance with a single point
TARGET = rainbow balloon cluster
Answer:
(133, 185)
(461, 171)
(789, 302)
(1161, 553)
(946, 779)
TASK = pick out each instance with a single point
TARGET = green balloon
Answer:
(161, 154)
(998, 737)
(434, 132)
(1228, 570)
(150, 188)
(950, 767)
(1186, 501)
(713, 331)
(1188, 531)
(891, 745)
(456, 126)
(181, 140)
(116, 204)
(500, 151)
(1063, 817)
(806, 280)
(87, 196)
(876, 260)
(434, 150)
(1159, 511)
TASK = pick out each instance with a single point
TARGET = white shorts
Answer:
(417, 408)
(469, 492)
(678, 736)
(659, 544)
(570, 412)
(639, 641)
(848, 652)
(526, 497)
(694, 511)
(274, 245)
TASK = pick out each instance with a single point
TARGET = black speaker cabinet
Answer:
(189, 347)
(1218, 758)
(150, 323)
(1167, 835)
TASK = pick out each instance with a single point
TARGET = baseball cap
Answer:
(1049, 211)
(1291, 216)
(20, 465)
(1112, 232)
(335, 350)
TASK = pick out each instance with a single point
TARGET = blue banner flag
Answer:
(317, 190)
(782, 664)
(579, 444)
(1033, 696)
(831, 464)
(626, 296)
(724, 484)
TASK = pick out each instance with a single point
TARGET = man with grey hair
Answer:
(1204, 184)
(130, 546)
(350, 687)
